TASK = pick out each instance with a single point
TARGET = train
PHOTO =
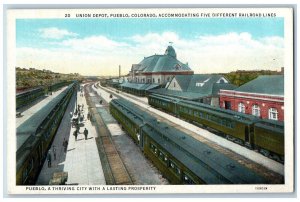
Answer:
(27, 97)
(265, 136)
(35, 135)
(180, 158)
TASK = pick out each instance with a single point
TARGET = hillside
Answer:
(241, 77)
(30, 78)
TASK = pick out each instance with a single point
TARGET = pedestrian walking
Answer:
(49, 159)
(54, 152)
(75, 134)
(77, 126)
(88, 115)
(65, 145)
(86, 132)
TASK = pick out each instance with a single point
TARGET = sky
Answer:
(98, 46)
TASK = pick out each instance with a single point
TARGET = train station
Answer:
(89, 134)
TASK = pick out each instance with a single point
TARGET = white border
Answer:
(288, 187)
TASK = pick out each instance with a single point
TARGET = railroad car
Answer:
(264, 135)
(29, 96)
(181, 158)
(25, 98)
(35, 135)
(269, 138)
(56, 86)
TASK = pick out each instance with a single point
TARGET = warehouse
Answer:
(262, 97)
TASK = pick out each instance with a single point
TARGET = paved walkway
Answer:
(27, 113)
(82, 161)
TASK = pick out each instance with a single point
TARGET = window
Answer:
(241, 107)
(255, 110)
(273, 114)
(187, 179)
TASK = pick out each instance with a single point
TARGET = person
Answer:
(71, 115)
(88, 115)
(49, 159)
(77, 126)
(65, 144)
(86, 132)
(54, 152)
(75, 134)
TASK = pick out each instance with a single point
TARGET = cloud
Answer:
(55, 33)
(100, 55)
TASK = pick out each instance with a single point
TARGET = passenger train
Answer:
(266, 136)
(181, 158)
(35, 135)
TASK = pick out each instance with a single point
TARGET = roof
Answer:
(19, 94)
(268, 84)
(139, 86)
(196, 86)
(162, 63)
(178, 94)
(30, 126)
(170, 51)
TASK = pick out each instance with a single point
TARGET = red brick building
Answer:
(262, 97)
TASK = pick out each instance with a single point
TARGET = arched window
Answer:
(241, 107)
(273, 114)
(255, 110)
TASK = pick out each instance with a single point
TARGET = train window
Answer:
(187, 179)
(166, 159)
(172, 165)
(178, 171)
(161, 155)
(195, 113)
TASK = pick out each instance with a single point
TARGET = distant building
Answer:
(159, 69)
(203, 88)
(262, 97)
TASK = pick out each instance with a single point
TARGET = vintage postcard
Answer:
(157, 100)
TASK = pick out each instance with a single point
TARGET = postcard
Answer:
(150, 100)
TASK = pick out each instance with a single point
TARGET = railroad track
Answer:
(114, 169)
(273, 177)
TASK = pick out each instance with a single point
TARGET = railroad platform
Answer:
(26, 113)
(133, 158)
(81, 160)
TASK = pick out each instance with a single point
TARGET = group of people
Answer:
(76, 132)
(78, 112)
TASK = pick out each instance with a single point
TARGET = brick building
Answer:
(262, 97)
